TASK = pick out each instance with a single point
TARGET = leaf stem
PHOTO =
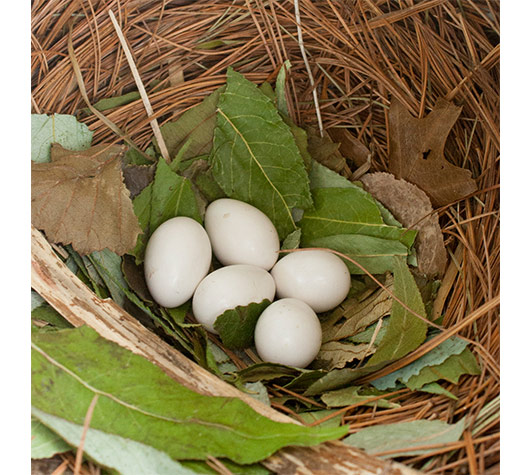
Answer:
(141, 89)
(306, 62)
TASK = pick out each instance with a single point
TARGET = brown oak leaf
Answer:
(412, 208)
(79, 198)
(416, 152)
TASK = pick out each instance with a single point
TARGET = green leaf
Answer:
(281, 101)
(348, 396)
(376, 255)
(57, 128)
(451, 346)
(402, 437)
(292, 241)
(258, 391)
(268, 372)
(195, 128)
(236, 325)
(44, 442)
(339, 378)
(435, 388)
(321, 176)
(108, 266)
(450, 370)
(124, 455)
(117, 101)
(348, 211)
(36, 300)
(255, 158)
(47, 313)
(70, 367)
(366, 335)
(405, 331)
(169, 195)
(313, 416)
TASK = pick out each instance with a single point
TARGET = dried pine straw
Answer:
(361, 53)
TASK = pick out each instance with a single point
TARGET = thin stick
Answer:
(306, 62)
(141, 89)
(88, 418)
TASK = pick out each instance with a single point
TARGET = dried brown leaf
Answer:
(412, 208)
(336, 354)
(354, 315)
(326, 152)
(350, 146)
(79, 198)
(416, 152)
(137, 177)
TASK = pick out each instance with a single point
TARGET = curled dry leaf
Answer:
(416, 152)
(350, 146)
(412, 207)
(80, 199)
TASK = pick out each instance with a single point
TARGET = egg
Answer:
(229, 287)
(288, 332)
(177, 257)
(319, 278)
(241, 234)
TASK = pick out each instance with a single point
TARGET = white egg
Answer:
(319, 278)
(229, 287)
(241, 234)
(288, 332)
(177, 257)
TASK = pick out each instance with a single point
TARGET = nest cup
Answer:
(360, 54)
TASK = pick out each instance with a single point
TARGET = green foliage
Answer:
(126, 456)
(435, 357)
(57, 128)
(169, 195)
(402, 437)
(44, 442)
(70, 367)
(255, 158)
(193, 129)
(450, 370)
(236, 325)
(405, 331)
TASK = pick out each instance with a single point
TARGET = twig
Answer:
(88, 418)
(306, 62)
(141, 89)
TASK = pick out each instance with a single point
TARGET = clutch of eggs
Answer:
(244, 240)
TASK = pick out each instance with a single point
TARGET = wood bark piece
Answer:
(80, 306)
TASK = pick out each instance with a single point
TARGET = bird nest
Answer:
(348, 59)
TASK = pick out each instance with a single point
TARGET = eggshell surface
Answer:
(318, 278)
(241, 234)
(288, 332)
(229, 287)
(177, 257)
